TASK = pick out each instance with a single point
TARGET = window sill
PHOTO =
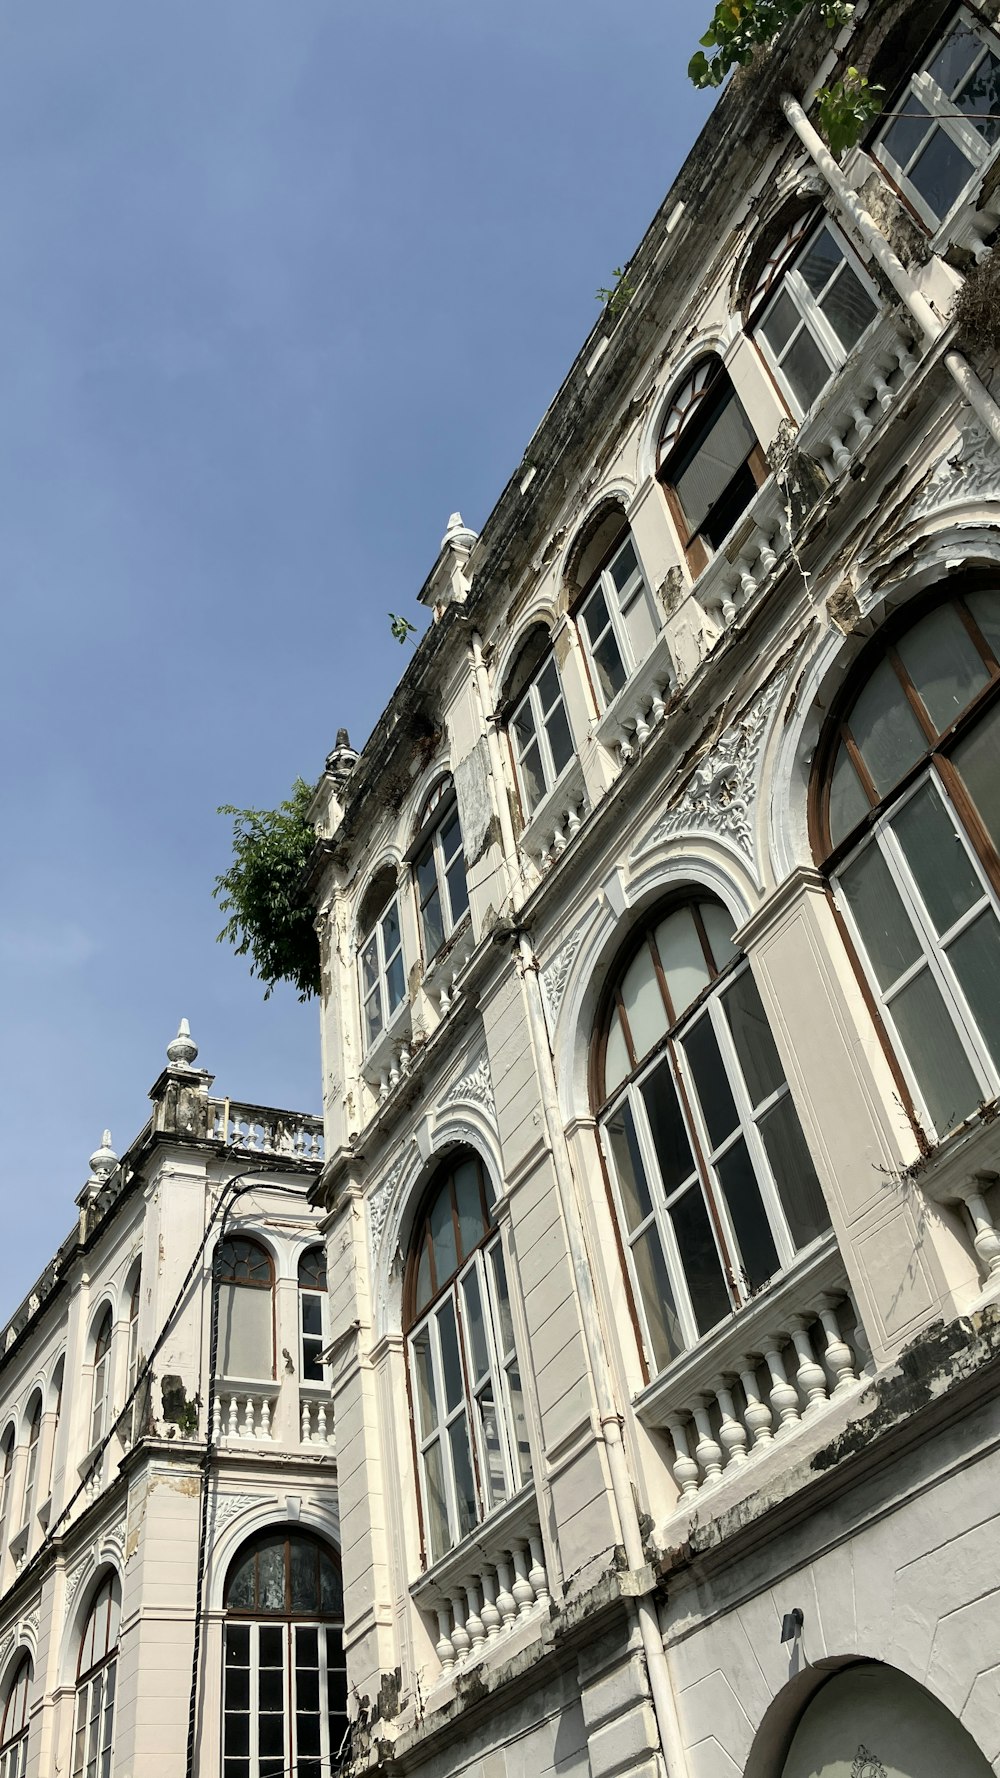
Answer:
(557, 818)
(641, 704)
(489, 1588)
(382, 1066)
(858, 395)
(447, 963)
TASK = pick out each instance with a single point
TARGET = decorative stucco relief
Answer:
(970, 472)
(555, 974)
(6, 1646)
(474, 1088)
(229, 1506)
(378, 1207)
(719, 796)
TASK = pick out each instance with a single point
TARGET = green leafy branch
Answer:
(270, 919)
(618, 295)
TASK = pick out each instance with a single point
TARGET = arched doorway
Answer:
(870, 1721)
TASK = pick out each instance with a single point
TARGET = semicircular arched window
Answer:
(94, 1731)
(709, 460)
(285, 1684)
(465, 1379)
(712, 1181)
(14, 1733)
(613, 607)
(907, 824)
(245, 1273)
(534, 714)
(100, 1400)
(34, 1428)
(439, 868)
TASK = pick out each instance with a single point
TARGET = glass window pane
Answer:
(939, 173)
(246, 1331)
(746, 1213)
(495, 1475)
(758, 1058)
(458, 1435)
(806, 368)
(643, 1003)
(423, 1371)
(944, 664)
(424, 1291)
(976, 759)
(271, 1572)
(616, 1060)
(714, 1093)
(712, 464)
(304, 1565)
(426, 873)
(519, 1422)
(438, 1533)
(475, 1325)
(700, 1259)
(980, 98)
(780, 323)
(718, 924)
(395, 983)
(369, 966)
(848, 801)
(532, 777)
(985, 607)
(548, 686)
(433, 925)
(451, 835)
(241, 1588)
(666, 1124)
(458, 890)
(801, 1195)
(609, 667)
(883, 922)
(658, 1302)
(560, 740)
(819, 261)
(928, 1035)
(624, 564)
(312, 1313)
(682, 958)
(331, 1586)
(954, 59)
(942, 867)
(503, 1298)
(594, 612)
(903, 137)
(472, 1224)
(451, 1363)
(524, 726)
(640, 622)
(975, 958)
(848, 307)
(629, 1170)
(885, 729)
(442, 1225)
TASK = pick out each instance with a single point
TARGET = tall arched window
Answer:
(439, 868)
(536, 721)
(100, 1401)
(907, 824)
(14, 1733)
(614, 610)
(245, 1275)
(6, 1475)
(285, 1690)
(381, 967)
(465, 1380)
(710, 463)
(135, 1412)
(946, 126)
(31, 1459)
(811, 306)
(93, 1736)
(312, 1314)
(713, 1184)
(57, 1395)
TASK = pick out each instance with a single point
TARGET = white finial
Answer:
(182, 1051)
(103, 1161)
(458, 532)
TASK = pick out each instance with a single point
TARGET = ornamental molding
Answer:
(6, 1649)
(970, 472)
(719, 796)
(230, 1506)
(379, 1200)
(474, 1088)
(867, 1764)
(555, 974)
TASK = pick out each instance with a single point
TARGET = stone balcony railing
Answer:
(963, 1173)
(640, 706)
(315, 1414)
(557, 818)
(746, 558)
(288, 1413)
(858, 397)
(245, 1412)
(490, 1586)
(253, 1129)
(774, 1367)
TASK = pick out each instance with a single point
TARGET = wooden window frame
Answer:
(697, 549)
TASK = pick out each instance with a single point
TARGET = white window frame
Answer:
(8, 1446)
(96, 1691)
(432, 844)
(100, 1397)
(530, 700)
(378, 993)
(31, 1459)
(289, 1628)
(14, 1749)
(811, 316)
(501, 1361)
(312, 1292)
(619, 602)
(933, 99)
(932, 945)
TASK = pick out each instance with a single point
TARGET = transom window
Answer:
(93, 1735)
(285, 1684)
(617, 620)
(539, 732)
(101, 1389)
(710, 463)
(383, 978)
(439, 871)
(817, 315)
(465, 1381)
(312, 1314)
(713, 1184)
(909, 821)
(14, 1733)
(950, 124)
(245, 1279)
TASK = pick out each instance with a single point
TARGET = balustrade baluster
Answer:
(490, 1614)
(810, 1375)
(684, 1467)
(306, 1424)
(523, 1591)
(246, 1429)
(862, 424)
(473, 1622)
(459, 1634)
(506, 1602)
(732, 1432)
(708, 1451)
(784, 1395)
(758, 1415)
(985, 1238)
(321, 1423)
(883, 393)
(536, 1573)
(216, 1420)
(444, 1646)
(838, 1357)
(233, 1425)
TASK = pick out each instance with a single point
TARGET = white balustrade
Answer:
(857, 398)
(243, 1413)
(488, 1587)
(315, 1419)
(974, 1196)
(557, 819)
(747, 557)
(252, 1129)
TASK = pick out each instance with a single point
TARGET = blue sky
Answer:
(281, 285)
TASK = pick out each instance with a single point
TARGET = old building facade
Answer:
(144, 1487)
(661, 970)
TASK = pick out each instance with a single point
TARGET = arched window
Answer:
(31, 1460)
(439, 869)
(14, 1733)
(101, 1389)
(57, 1393)
(615, 612)
(380, 956)
(809, 310)
(245, 1275)
(949, 128)
(713, 1184)
(907, 824)
(710, 463)
(464, 1376)
(312, 1314)
(93, 1737)
(285, 1693)
(537, 724)
(135, 1412)
(6, 1474)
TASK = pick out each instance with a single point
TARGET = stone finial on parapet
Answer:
(180, 1094)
